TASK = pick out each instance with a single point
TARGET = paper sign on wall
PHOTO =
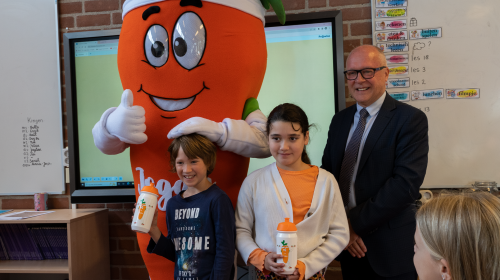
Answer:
(427, 94)
(425, 33)
(462, 93)
(398, 83)
(398, 70)
(394, 47)
(391, 3)
(390, 12)
(401, 96)
(392, 36)
(390, 24)
(397, 58)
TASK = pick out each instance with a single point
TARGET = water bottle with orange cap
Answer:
(145, 209)
(286, 245)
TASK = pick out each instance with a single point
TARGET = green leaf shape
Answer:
(283, 242)
(251, 105)
(278, 8)
(265, 3)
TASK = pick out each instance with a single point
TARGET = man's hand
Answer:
(356, 246)
(271, 265)
(357, 249)
(214, 131)
(127, 122)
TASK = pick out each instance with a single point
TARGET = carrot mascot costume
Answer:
(188, 66)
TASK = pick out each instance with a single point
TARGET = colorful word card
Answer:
(392, 36)
(391, 3)
(397, 58)
(401, 96)
(398, 83)
(394, 47)
(427, 94)
(390, 12)
(462, 93)
(390, 24)
(398, 70)
(425, 33)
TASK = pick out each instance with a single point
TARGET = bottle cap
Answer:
(150, 189)
(287, 226)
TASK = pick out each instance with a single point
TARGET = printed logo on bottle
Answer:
(285, 251)
(142, 209)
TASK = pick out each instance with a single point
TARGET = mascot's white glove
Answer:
(214, 131)
(127, 122)
(244, 137)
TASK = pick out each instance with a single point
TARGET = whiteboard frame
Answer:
(62, 189)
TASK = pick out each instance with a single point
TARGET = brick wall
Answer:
(80, 15)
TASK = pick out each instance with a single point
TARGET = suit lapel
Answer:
(383, 118)
(345, 127)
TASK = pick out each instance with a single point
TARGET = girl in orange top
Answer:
(291, 187)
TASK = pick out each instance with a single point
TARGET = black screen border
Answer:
(85, 194)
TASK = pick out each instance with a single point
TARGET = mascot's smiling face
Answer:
(190, 61)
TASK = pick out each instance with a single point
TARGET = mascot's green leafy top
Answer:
(278, 8)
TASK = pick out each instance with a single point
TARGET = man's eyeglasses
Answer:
(366, 73)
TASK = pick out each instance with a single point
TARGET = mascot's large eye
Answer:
(156, 45)
(189, 39)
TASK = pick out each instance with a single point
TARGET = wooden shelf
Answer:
(59, 216)
(45, 266)
(88, 245)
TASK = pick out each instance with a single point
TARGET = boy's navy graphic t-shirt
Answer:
(201, 236)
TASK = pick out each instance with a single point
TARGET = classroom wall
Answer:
(79, 15)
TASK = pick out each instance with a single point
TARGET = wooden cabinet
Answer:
(88, 246)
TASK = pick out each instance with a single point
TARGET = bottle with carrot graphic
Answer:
(142, 208)
(286, 245)
(145, 209)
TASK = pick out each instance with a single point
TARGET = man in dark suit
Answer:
(377, 150)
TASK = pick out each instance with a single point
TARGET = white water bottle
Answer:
(286, 245)
(145, 209)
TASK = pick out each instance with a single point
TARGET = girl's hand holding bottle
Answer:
(271, 265)
(294, 276)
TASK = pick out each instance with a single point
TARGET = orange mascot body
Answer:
(177, 62)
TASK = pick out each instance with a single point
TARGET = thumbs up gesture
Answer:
(127, 122)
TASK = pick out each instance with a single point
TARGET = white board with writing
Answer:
(453, 63)
(30, 112)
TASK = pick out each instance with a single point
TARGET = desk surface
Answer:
(58, 216)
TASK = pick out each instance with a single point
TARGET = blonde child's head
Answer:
(461, 233)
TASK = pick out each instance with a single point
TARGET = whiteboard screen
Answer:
(444, 59)
(30, 112)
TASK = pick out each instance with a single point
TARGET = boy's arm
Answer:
(225, 237)
(159, 244)
(165, 247)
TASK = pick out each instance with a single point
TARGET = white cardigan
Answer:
(264, 202)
